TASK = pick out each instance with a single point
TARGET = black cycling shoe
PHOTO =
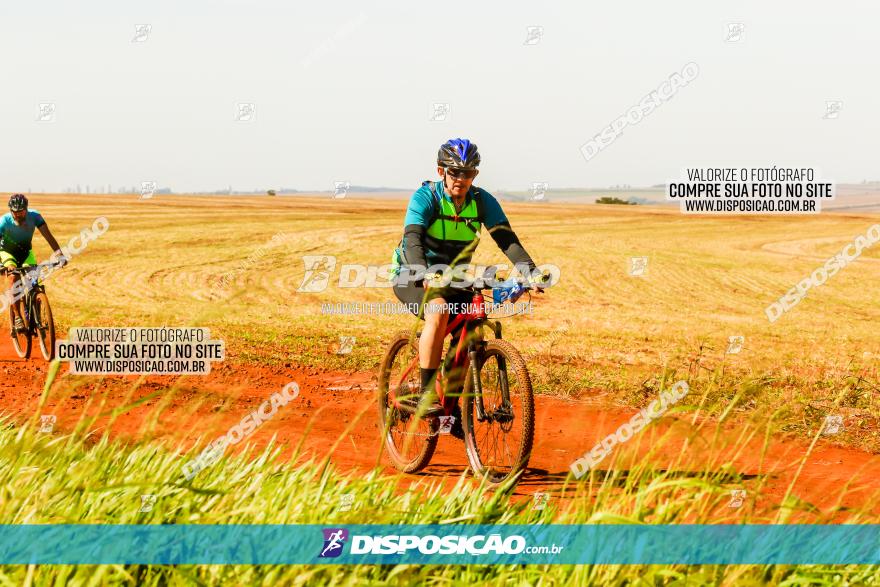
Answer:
(418, 403)
(414, 401)
(457, 430)
(429, 409)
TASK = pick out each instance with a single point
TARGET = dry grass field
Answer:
(599, 334)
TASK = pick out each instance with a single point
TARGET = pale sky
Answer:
(343, 91)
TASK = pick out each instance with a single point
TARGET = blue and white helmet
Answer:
(18, 202)
(458, 154)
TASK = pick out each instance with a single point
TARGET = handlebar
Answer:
(30, 268)
(518, 282)
(509, 290)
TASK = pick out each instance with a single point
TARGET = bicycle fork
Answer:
(22, 310)
(502, 414)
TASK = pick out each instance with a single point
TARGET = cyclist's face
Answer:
(457, 187)
(20, 216)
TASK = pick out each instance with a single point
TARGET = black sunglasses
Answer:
(462, 173)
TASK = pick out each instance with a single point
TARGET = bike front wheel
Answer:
(409, 441)
(21, 341)
(45, 325)
(499, 441)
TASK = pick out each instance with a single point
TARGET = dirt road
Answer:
(341, 410)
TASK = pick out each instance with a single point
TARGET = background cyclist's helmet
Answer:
(18, 202)
(459, 154)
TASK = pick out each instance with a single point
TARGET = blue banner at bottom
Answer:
(439, 544)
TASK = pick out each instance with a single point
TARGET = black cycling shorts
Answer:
(413, 295)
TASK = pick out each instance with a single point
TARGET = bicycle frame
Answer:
(474, 317)
(31, 287)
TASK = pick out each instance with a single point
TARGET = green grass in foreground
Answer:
(80, 478)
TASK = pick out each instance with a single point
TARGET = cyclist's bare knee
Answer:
(435, 312)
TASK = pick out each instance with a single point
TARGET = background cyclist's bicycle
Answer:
(35, 313)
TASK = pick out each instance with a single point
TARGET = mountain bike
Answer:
(36, 313)
(498, 412)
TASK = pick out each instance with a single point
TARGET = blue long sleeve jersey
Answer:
(421, 249)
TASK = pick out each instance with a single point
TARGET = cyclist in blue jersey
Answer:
(442, 227)
(16, 236)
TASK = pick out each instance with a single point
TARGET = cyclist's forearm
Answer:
(50, 238)
(509, 244)
(414, 245)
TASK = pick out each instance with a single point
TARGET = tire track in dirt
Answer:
(807, 248)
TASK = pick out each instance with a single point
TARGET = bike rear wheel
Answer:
(45, 325)
(409, 441)
(21, 341)
(499, 446)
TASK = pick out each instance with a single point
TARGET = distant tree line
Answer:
(612, 200)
